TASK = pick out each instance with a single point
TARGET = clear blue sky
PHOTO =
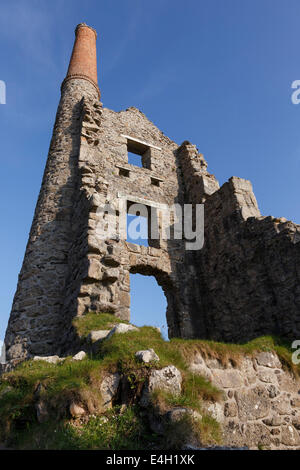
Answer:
(215, 72)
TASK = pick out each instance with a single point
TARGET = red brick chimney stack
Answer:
(83, 62)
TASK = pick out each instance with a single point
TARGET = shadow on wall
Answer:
(148, 303)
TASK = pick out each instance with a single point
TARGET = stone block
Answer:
(267, 376)
(94, 270)
(124, 298)
(252, 404)
(230, 409)
(268, 359)
(111, 275)
(289, 435)
(227, 378)
(296, 402)
(109, 388)
(168, 379)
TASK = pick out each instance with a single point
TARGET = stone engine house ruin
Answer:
(243, 283)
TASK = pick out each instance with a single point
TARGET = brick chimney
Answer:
(83, 62)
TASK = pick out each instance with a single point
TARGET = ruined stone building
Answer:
(243, 283)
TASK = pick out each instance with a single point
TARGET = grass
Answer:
(210, 431)
(179, 433)
(59, 385)
(195, 390)
(94, 321)
(234, 353)
(80, 381)
(111, 431)
(179, 351)
(121, 349)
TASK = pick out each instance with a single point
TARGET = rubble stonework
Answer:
(244, 282)
(260, 404)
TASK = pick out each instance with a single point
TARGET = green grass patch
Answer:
(195, 390)
(235, 353)
(111, 431)
(210, 431)
(203, 432)
(58, 377)
(120, 349)
(60, 384)
(95, 321)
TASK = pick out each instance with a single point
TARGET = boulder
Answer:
(147, 355)
(42, 414)
(49, 359)
(79, 356)
(121, 328)
(76, 410)
(109, 389)
(97, 335)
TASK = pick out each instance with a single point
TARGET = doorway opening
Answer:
(148, 303)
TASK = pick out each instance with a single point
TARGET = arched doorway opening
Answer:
(152, 299)
(148, 303)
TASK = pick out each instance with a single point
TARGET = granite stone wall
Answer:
(260, 405)
(34, 324)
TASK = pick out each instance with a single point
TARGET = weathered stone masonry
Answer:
(243, 283)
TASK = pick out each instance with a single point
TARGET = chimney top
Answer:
(83, 62)
(84, 25)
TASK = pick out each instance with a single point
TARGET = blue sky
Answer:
(215, 72)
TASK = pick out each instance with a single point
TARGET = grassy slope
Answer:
(80, 382)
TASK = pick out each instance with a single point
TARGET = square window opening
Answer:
(138, 154)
